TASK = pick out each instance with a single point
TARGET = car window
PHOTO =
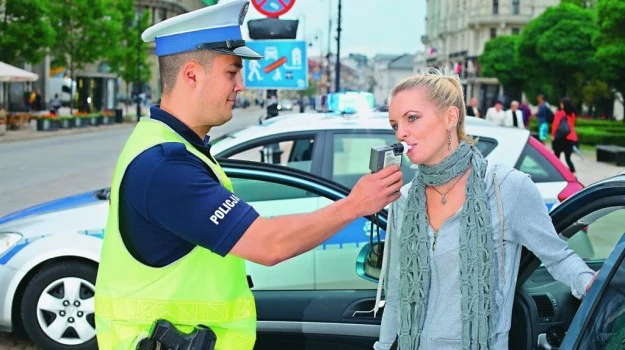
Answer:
(329, 266)
(486, 145)
(257, 191)
(351, 153)
(294, 153)
(538, 167)
(606, 326)
(596, 241)
(271, 199)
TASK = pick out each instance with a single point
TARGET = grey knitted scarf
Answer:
(477, 278)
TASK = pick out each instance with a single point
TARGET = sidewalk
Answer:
(589, 170)
(30, 133)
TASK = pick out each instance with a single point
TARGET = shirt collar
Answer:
(181, 128)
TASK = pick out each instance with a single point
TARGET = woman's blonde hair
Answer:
(443, 89)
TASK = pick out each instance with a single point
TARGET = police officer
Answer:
(177, 237)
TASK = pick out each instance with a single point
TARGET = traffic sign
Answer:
(284, 65)
(273, 8)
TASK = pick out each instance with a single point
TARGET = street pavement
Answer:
(589, 171)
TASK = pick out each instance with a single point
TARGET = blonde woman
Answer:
(457, 230)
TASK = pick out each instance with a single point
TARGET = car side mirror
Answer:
(369, 261)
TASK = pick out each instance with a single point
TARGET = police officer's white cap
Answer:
(216, 28)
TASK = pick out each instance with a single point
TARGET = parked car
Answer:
(338, 148)
(285, 105)
(49, 255)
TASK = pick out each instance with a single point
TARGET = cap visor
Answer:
(243, 52)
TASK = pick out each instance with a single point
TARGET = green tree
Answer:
(582, 3)
(610, 42)
(556, 51)
(131, 59)
(85, 33)
(25, 30)
(500, 60)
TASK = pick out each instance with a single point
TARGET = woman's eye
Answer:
(394, 127)
(412, 118)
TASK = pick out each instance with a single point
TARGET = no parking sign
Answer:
(273, 8)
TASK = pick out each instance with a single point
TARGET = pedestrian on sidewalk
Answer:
(55, 105)
(563, 134)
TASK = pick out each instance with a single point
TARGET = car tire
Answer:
(47, 291)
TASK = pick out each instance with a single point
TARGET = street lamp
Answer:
(317, 38)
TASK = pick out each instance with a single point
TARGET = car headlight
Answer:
(8, 240)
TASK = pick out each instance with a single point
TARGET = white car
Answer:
(49, 253)
(338, 148)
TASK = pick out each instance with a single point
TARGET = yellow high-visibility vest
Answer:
(200, 288)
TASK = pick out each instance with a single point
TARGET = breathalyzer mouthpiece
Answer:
(383, 156)
(401, 147)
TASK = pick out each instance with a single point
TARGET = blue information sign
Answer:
(284, 65)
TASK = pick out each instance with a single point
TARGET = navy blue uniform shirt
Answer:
(168, 201)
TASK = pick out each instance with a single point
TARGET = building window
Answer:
(516, 7)
(516, 31)
(495, 7)
(493, 33)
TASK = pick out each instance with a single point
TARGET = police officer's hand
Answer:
(375, 191)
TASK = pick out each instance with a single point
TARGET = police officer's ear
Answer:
(190, 72)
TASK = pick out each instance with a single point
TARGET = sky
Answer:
(369, 27)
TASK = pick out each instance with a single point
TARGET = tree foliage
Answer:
(611, 41)
(85, 31)
(557, 51)
(500, 60)
(581, 3)
(25, 30)
(131, 58)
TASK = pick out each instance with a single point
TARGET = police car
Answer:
(318, 300)
(49, 253)
(338, 147)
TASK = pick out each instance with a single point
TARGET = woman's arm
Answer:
(532, 227)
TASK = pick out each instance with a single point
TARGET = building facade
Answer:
(388, 70)
(457, 31)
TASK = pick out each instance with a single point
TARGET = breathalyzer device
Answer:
(386, 155)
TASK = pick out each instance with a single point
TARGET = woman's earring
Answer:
(449, 140)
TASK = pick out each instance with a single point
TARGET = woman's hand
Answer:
(591, 281)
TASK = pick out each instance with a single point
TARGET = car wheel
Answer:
(58, 307)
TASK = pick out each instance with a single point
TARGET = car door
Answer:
(600, 320)
(292, 313)
(592, 223)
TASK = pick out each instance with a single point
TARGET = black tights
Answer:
(565, 146)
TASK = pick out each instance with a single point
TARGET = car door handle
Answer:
(361, 313)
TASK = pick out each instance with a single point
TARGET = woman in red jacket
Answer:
(564, 143)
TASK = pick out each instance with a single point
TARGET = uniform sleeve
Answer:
(182, 197)
(389, 327)
(532, 227)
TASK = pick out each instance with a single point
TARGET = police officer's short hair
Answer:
(170, 65)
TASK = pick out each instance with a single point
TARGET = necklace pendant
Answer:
(443, 200)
